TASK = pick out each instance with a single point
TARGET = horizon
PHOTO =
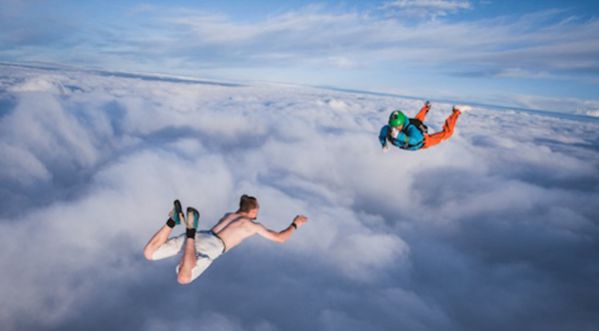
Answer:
(200, 80)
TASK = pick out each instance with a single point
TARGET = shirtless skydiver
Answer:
(201, 248)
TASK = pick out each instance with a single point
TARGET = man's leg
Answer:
(157, 241)
(423, 111)
(188, 262)
(160, 238)
(438, 137)
(189, 259)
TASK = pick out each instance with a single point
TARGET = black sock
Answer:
(191, 233)
(170, 223)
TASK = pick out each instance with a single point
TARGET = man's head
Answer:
(249, 205)
(397, 119)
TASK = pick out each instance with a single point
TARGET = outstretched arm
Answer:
(284, 235)
(383, 135)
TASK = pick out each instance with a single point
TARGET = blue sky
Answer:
(520, 53)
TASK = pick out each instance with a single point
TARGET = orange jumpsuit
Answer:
(438, 137)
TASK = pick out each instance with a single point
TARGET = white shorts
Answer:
(208, 248)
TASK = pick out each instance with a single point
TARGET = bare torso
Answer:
(234, 228)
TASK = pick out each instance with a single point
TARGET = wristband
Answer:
(294, 225)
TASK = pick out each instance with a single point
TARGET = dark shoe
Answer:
(177, 212)
(193, 218)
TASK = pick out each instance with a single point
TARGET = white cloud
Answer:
(22, 166)
(91, 169)
(557, 104)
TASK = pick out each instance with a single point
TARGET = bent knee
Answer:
(183, 279)
(149, 254)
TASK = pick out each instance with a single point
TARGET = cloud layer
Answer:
(495, 228)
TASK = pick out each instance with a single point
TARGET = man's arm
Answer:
(284, 235)
(383, 135)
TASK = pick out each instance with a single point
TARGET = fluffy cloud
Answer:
(492, 229)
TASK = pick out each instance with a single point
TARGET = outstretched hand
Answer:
(300, 220)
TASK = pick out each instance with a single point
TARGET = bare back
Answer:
(234, 228)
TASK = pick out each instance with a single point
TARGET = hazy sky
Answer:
(537, 54)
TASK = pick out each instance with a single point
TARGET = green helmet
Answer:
(397, 118)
